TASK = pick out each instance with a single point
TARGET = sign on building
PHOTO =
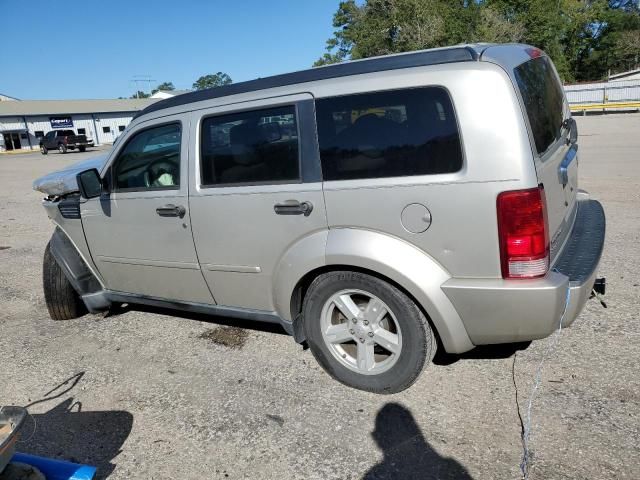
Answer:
(61, 122)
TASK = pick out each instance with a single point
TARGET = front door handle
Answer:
(171, 211)
(293, 207)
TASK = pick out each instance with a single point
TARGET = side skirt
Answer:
(107, 297)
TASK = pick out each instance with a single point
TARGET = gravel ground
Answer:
(147, 394)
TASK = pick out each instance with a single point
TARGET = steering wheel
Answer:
(157, 169)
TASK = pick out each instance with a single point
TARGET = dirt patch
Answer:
(232, 337)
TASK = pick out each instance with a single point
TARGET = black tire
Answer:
(62, 148)
(43, 150)
(82, 149)
(418, 339)
(63, 302)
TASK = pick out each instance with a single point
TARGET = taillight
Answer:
(523, 233)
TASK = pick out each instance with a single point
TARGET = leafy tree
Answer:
(140, 94)
(585, 38)
(214, 80)
(166, 86)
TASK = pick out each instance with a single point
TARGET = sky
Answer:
(91, 49)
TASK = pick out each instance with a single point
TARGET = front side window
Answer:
(543, 100)
(388, 134)
(150, 159)
(259, 146)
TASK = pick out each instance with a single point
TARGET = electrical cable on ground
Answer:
(525, 424)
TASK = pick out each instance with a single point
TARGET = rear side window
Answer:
(388, 134)
(259, 146)
(543, 98)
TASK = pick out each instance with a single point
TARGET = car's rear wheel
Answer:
(62, 148)
(365, 332)
(63, 302)
(43, 150)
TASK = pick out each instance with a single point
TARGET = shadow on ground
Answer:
(66, 432)
(407, 454)
(482, 352)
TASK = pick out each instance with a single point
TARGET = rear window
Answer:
(388, 134)
(543, 99)
(258, 146)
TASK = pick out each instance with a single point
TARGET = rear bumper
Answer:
(501, 311)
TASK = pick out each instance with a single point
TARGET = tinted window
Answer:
(65, 133)
(121, 128)
(543, 98)
(388, 134)
(150, 159)
(260, 146)
(82, 131)
(106, 129)
(39, 133)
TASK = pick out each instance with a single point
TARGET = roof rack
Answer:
(377, 64)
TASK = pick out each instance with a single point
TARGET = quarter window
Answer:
(259, 146)
(543, 100)
(150, 160)
(388, 134)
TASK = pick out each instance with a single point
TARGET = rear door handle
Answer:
(171, 211)
(293, 207)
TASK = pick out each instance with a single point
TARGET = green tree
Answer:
(585, 38)
(214, 80)
(166, 86)
(140, 94)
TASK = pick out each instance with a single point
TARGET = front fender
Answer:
(410, 268)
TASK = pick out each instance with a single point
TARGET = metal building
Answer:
(24, 122)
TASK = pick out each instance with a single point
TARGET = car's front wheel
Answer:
(63, 302)
(365, 332)
(62, 148)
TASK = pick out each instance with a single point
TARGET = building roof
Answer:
(624, 74)
(168, 93)
(68, 107)
(434, 56)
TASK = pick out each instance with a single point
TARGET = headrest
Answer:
(245, 134)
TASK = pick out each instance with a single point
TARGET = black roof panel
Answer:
(378, 64)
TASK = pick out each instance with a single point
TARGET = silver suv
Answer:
(377, 210)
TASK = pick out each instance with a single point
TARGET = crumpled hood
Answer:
(64, 181)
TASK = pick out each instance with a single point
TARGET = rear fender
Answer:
(395, 259)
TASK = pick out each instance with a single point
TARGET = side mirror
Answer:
(89, 183)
